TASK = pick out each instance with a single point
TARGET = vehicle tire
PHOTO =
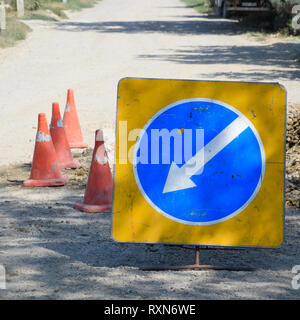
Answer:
(224, 10)
(218, 11)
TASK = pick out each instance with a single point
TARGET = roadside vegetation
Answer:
(280, 19)
(283, 16)
(15, 30)
(54, 10)
(201, 6)
(48, 9)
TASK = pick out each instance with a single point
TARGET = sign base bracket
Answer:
(196, 266)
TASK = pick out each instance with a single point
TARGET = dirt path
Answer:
(95, 48)
(52, 251)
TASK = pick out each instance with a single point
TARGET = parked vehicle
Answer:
(225, 7)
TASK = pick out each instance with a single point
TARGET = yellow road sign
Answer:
(199, 162)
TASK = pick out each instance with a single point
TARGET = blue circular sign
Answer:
(199, 161)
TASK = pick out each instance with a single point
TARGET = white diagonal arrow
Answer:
(179, 178)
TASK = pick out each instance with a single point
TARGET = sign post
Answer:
(199, 162)
(2, 17)
(196, 266)
(20, 8)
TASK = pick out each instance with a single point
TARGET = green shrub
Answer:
(201, 6)
(28, 4)
(32, 4)
(283, 15)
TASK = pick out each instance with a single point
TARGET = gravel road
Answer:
(51, 251)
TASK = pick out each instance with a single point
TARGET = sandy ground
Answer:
(52, 251)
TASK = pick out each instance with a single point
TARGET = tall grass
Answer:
(15, 30)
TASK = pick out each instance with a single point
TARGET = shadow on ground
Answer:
(203, 25)
(53, 251)
(280, 57)
(278, 60)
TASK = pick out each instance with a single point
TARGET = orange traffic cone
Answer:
(60, 141)
(45, 170)
(98, 193)
(71, 123)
